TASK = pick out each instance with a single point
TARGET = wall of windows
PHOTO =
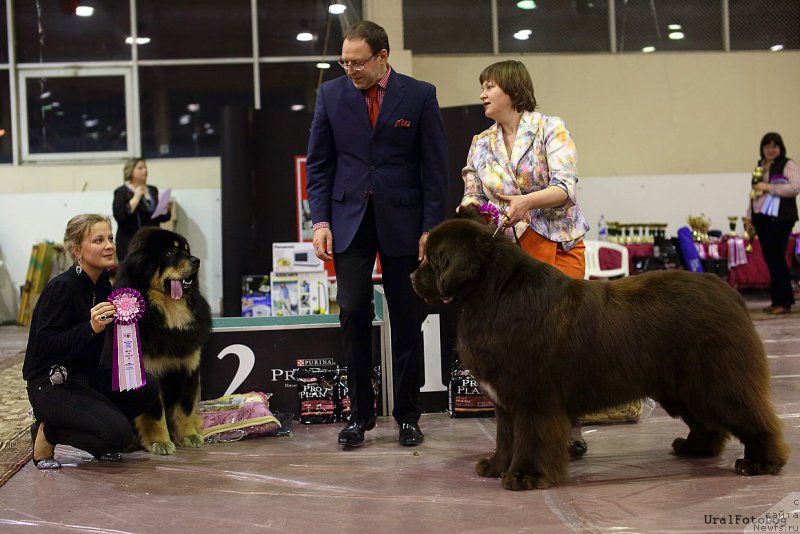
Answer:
(103, 79)
(90, 79)
(585, 26)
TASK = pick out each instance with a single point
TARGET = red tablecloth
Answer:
(752, 275)
(611, 259)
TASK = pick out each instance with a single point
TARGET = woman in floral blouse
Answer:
(525, 165)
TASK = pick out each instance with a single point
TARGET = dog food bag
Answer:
(233, 417)
(465, 398)
(316, 391)
(341, 406)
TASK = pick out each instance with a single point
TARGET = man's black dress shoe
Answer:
(577, 448)
(410, 435)
(352, 435)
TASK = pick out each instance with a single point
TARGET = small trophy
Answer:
(758, 174)
(732, 225)
(748, 248)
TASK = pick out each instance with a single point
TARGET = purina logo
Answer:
(317, 362)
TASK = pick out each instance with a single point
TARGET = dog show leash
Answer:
(495, 216)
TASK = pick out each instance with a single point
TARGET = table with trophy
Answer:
(735, 256)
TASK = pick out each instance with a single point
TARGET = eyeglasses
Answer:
(357, 66)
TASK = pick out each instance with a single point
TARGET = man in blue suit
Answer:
(376, 181)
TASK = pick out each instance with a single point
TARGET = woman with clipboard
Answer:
(135, 204)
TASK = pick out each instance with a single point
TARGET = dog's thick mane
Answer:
(171, 326)
(491, 252)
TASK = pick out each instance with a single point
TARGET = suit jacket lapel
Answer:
(354, 100)
(528, 128)
(498, 148)
(391, 99)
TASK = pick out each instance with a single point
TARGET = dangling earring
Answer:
(78, 268)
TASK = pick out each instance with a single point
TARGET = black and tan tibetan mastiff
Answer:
(175, 325)
(548, 348)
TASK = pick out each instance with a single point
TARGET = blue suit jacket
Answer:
(403, 161)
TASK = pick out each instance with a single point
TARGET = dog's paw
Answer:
(516, 481)
(192, 440)
(162, 448)
(680, 447)
(486, 467)
(749, 468)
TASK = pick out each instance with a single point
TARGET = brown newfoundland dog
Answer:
(547, 348)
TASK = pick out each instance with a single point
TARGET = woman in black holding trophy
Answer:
(772, 213)
(71, 393)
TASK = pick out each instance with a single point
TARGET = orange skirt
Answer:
(571, 263)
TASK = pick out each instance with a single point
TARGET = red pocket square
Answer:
(402, 123)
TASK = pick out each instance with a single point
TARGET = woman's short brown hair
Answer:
(515, 81)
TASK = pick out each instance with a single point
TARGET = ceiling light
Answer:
(323, 65)
(44, 95)
(185, 119)
(523, 35)
(337, 8)
(84, 11)
(676, 36)
(305, 36)
(2, 132)
(297, 107)
(194, 107)
(675, 27)
(526, 4)
(776, 48)
(648, 49)
(139, 40)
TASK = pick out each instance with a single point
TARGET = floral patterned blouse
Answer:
(543, 155)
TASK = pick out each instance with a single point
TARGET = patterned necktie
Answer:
(374, 106)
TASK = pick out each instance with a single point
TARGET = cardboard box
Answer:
(256, 300)
(299, 293)
(295, 258)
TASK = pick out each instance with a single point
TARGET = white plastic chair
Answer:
(592, 255)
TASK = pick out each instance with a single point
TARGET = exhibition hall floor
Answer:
(628, 481)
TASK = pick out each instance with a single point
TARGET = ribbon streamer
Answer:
(736, 252)
(128, 365)
(772, 203)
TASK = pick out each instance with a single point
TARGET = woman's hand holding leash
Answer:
(516, 209)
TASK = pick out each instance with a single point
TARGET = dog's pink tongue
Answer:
(176, 290)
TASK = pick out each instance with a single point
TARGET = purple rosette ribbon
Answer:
(128, 365)
(490, 213)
